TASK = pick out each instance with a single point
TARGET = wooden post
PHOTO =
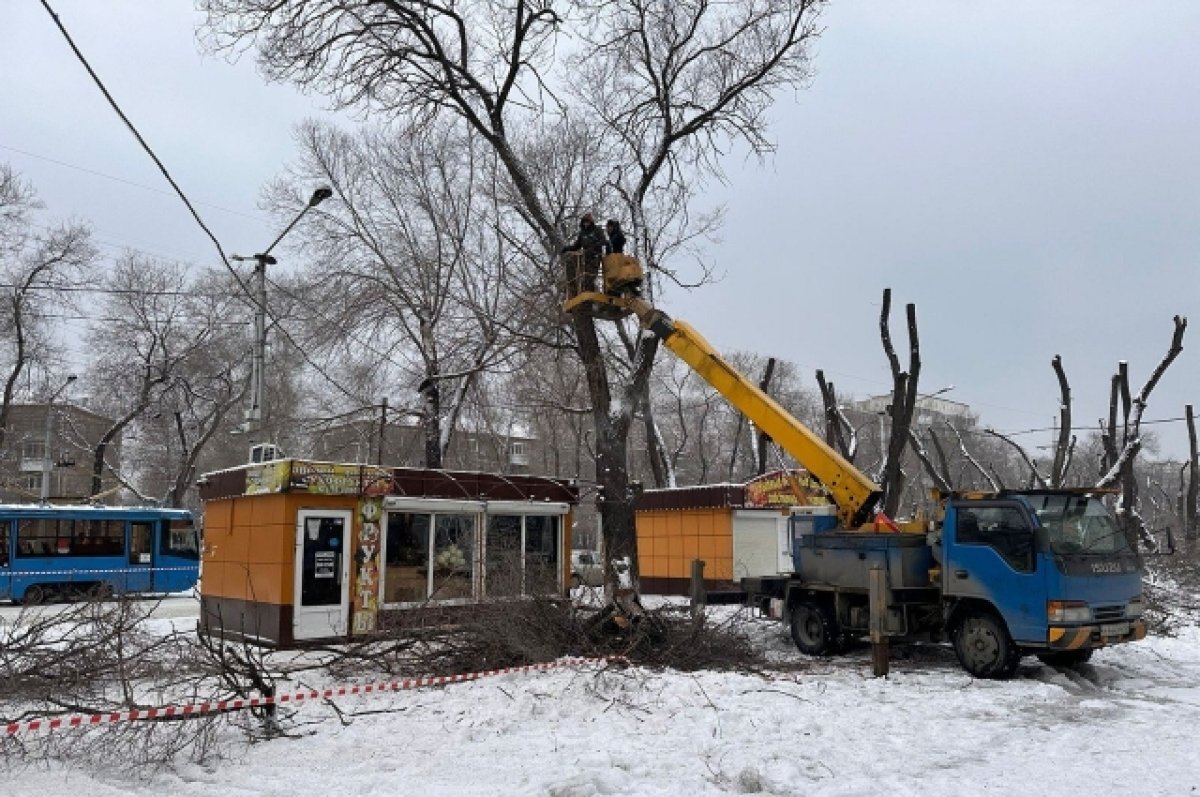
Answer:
(699, 596)
(879, 637)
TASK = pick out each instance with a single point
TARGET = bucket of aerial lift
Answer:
(621, 273)
(621, 278)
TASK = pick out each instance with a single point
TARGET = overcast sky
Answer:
(1027, 173)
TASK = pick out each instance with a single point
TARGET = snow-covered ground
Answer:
(1124, 725)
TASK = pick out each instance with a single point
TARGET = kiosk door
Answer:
(322, 599)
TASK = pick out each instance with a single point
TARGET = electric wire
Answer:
(126, 181)
(187, 203)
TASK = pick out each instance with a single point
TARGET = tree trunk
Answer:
(1190, 529)
(904, 399)
(1062, 446)
(763, 440)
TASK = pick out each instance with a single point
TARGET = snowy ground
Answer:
(1124, 725)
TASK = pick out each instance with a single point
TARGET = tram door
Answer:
(140, 574)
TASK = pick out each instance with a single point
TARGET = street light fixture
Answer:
(46, 443)
(254, 412)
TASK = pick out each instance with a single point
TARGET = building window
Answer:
(33, 449)
(516, 453)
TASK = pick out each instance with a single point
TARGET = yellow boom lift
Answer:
(852, 491)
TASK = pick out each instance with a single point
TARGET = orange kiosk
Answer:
(737, 530)
(298, 551)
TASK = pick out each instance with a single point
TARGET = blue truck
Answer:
(1004, 575)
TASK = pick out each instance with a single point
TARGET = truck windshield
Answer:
(1078, 524)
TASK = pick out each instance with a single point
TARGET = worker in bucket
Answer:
(592, 243)
(616, 237)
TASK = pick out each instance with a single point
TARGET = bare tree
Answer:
(1119, 462)
(160, 340)
(683, 80)
(1064, 446)
(903, 403)
(839, 432)
(1191, 531)
(422, 280)
(35, 268)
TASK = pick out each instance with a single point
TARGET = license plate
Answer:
(1114, 629)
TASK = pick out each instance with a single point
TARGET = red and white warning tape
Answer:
(237, 704)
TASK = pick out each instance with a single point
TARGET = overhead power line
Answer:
(125, 181)
(187, 203)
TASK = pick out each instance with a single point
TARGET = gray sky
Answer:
(1027, 173)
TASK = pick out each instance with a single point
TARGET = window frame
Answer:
(482, 514)
(1007, 555)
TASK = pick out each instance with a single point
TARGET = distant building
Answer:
(929, 410)
(401, 443)
(25, 461)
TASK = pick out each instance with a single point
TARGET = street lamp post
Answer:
(254, 412)
(45, 492)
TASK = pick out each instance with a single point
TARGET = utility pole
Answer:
(46, 462)
(253, 418)
(382, 432)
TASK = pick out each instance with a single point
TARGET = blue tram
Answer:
(57, 551)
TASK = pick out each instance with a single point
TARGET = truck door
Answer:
(990, 554)
(140, 574)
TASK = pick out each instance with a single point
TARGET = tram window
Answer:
(44, 537)
(179, 539)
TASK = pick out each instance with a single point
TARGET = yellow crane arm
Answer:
(852, 491)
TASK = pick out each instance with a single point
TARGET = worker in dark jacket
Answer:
(616, 237)
(592, 243)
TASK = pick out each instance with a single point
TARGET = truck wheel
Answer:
(984, 647)
(813, 630)
(1067, 658)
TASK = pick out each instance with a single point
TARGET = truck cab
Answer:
(1041, 572)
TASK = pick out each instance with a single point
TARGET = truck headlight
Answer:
(1135, 608)
(1068, 612)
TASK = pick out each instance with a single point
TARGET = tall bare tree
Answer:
(412, 249)
(38, 267)
(1192, 493)
(680, 82)
(164, 339)
(903, 403)
(1119, 458)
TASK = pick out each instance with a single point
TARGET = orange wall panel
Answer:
(229, 545)
(212, 578)
(272, 543)
(270, 583)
